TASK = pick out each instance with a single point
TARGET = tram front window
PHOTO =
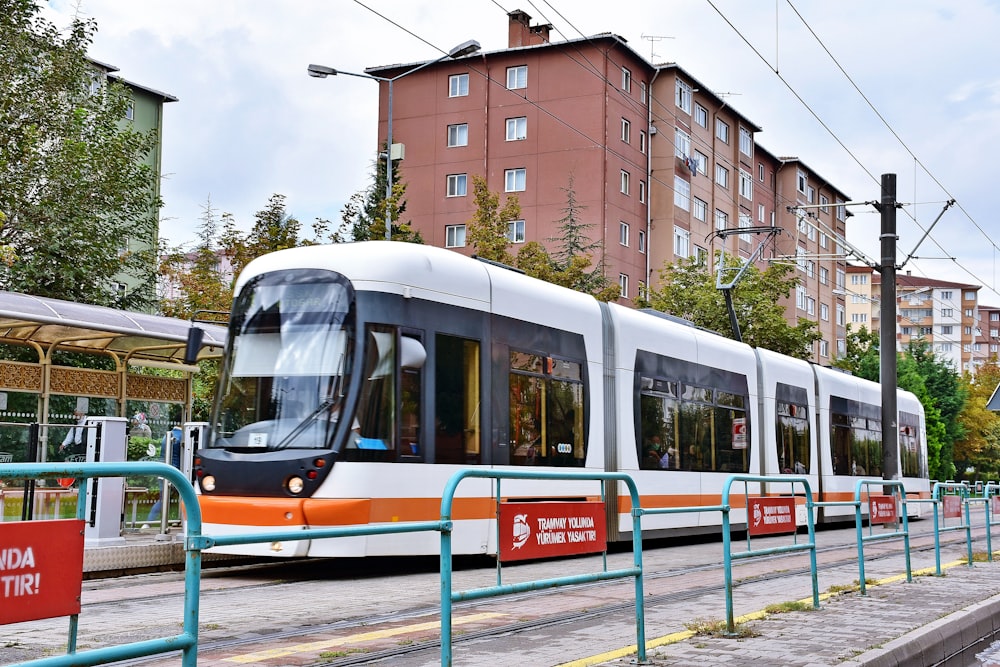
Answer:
(287, 363)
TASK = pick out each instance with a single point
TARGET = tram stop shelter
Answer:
(60, 357)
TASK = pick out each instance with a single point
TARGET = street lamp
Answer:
(322, 71)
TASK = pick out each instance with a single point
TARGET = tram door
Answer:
(457, 400)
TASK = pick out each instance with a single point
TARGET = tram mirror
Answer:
(195, 336)
(411, 353)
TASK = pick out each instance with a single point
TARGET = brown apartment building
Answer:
(660, 167)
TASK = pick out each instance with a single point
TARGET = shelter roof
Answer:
(86, 328)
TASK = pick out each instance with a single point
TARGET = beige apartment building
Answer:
(659, 166)
(945, 314)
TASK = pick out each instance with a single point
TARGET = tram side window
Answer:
(909, 445)
(546, 411)
(699, 428)
(457, 398)
(840, 443)
(376, 420)
(793, 438)
(866, 447)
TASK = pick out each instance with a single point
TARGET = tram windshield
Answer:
(287, 365)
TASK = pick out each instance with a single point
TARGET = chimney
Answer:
(520, 32)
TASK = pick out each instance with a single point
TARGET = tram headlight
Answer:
(208, 483)
(295, 485)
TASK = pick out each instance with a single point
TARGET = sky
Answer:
(853, 88)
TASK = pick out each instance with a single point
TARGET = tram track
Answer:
(828, 557)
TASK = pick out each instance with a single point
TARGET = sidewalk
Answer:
(897, 624)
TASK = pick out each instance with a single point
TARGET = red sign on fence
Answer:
(548, 529)
(952, 507)
(881, 509)
(996, 504)
(41, 569)
(769, 516)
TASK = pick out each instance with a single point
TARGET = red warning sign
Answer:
(769, 516)
(41, 569)
(952, 507)
(548, 529)
(881, 509)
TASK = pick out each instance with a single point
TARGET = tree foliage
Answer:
(73, 184)
(689, 292)
(980, 447)
(363, 216)
(487, 231)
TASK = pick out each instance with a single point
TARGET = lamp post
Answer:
(322, 71)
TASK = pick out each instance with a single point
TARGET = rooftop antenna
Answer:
(652, 42)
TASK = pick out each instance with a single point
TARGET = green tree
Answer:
(487, 231)
(197, 274)
(979, 448)
(689, 292)
(73, 184)
(363, 216)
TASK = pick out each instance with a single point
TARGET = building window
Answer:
(130, 110)
(745, 224)
(824, 275)
(946, 295)
(701, 115)
(746, 185)
(642, 141)
(947, 312)
(626, 80)
(458, 85)
(517, 128)
(643, 93)
(700, 210)
(683, 96)
(841, 279)
(824, 203)
(517, 77)
(642, 192)
(642, 241)
(623, 233)
(801, 182)
(824, 348)
(722, 130)
(746, 142)
(721, 220)
(458, 135)
(841, 211)
(515, 231)
(682, 193)
(454, 236)
(760, 172)
(682, 242)
(514, 180)
(760, 213)
(700, 163)
(682, 143)
(722, 176)
(969, 296)
(623, 285)
(456, 185)
(625, 182)
(841, 316)
(946, 330)
(822, 240)
(811, 194)
(626, 131)
(824, 312)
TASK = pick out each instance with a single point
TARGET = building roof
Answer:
(86, 328)
(907, 280)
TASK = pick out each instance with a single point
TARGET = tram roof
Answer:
(86, 328)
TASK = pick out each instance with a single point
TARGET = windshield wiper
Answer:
(297, 431)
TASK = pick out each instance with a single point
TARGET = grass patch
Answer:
(326, 655)
(712, 628)
(786, 607)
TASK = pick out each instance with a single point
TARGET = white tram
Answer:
(359, 377)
